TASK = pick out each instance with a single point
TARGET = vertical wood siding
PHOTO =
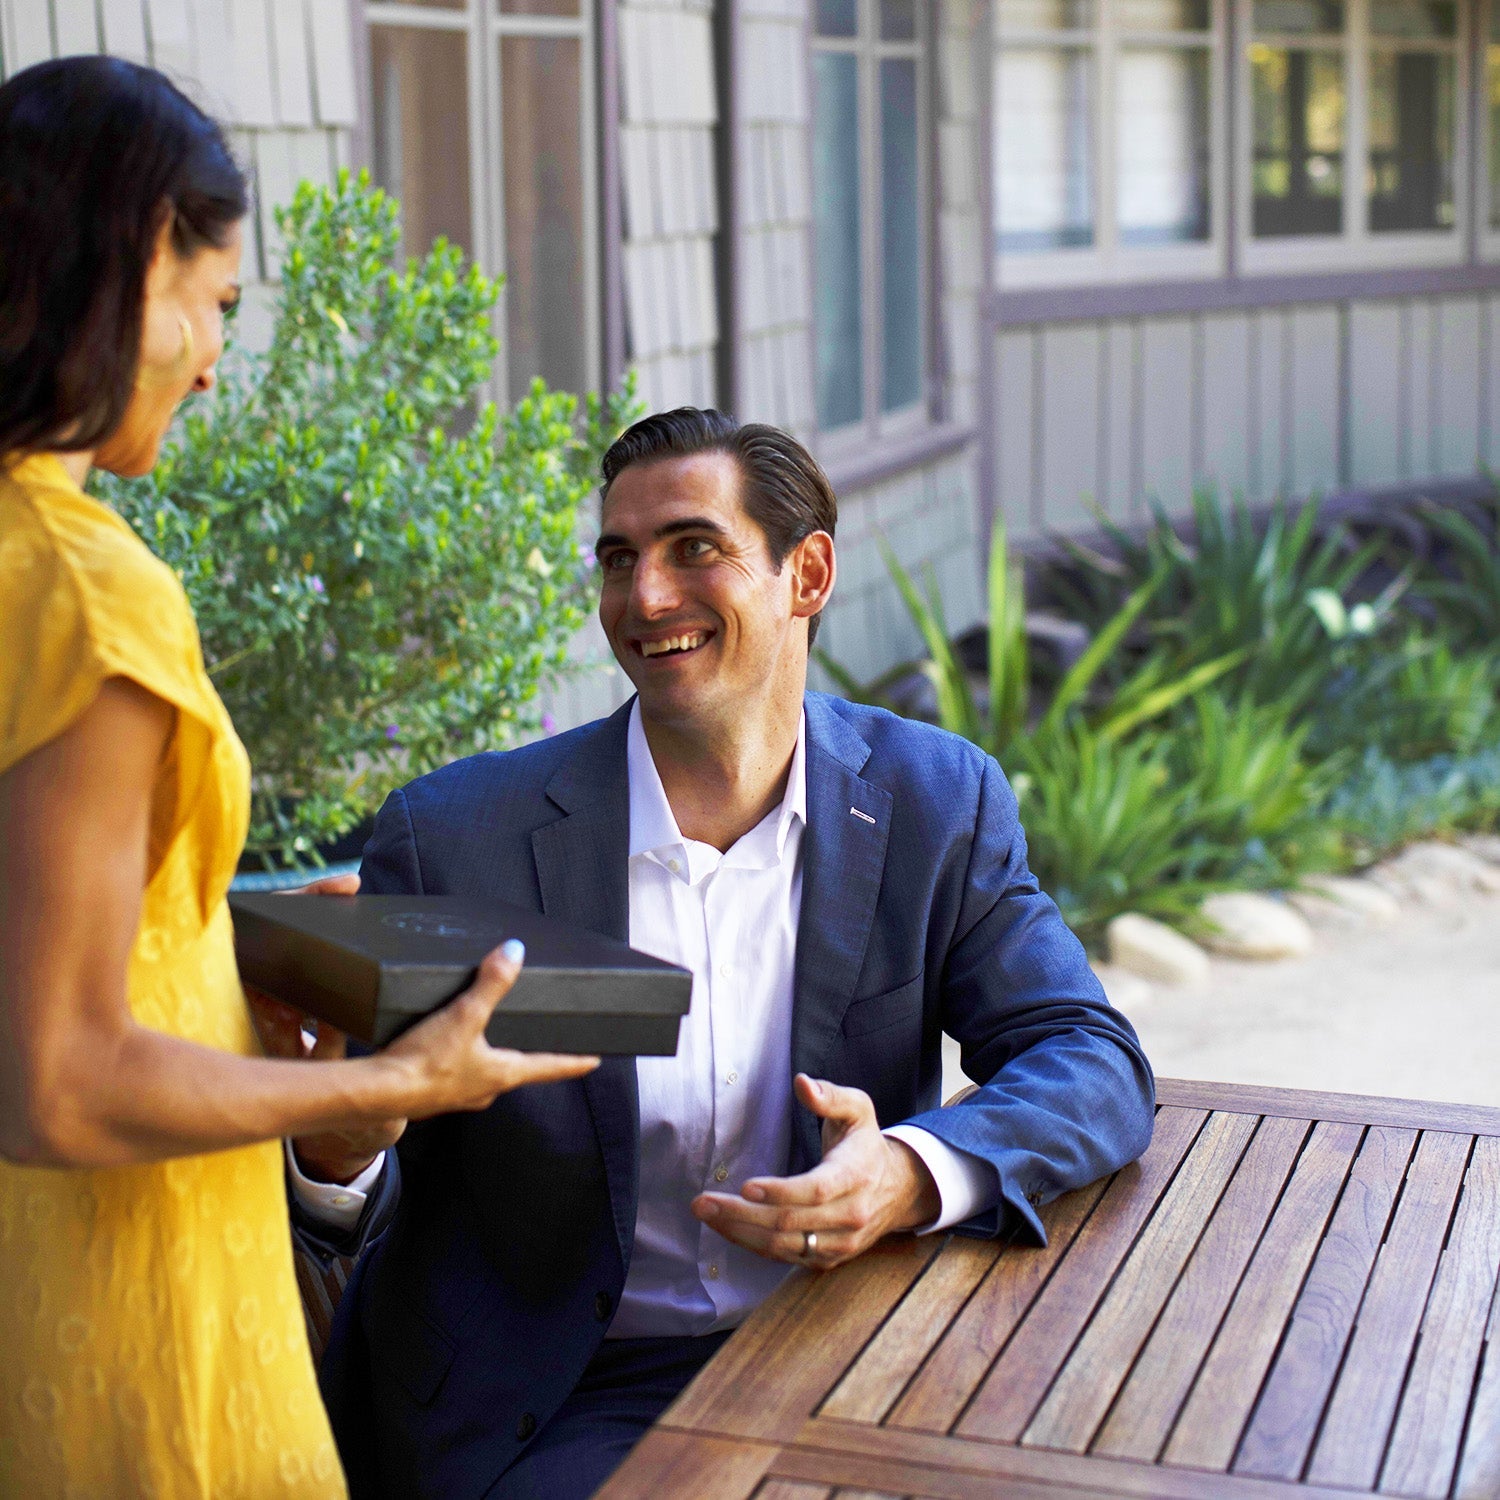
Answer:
(1278, 401)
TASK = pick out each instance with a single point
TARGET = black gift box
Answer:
(373, 965)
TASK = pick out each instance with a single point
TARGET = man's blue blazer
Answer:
(502, 1238)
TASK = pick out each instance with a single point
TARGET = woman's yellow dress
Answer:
(151, 1338)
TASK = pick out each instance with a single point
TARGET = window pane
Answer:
(1162, 137)
(420, 131)
(1322, 17)
(1045, 15)
(1411, 140)
(901, 234)
(838, 17)
(545, 295)
(1414, 18)
(1044, 169)
(1297, 172)
(374, 7)
(898, 20)
(1162, 15)
(836, 239)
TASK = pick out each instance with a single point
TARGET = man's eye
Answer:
(613, 562)
(696, 546)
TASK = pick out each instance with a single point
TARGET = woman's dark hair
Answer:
(95, 155)
(786, 493)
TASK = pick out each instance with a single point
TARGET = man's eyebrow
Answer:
(672, 528)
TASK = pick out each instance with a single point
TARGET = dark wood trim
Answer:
(885, 460)
(989, 353)
(727, 146)
(611, 248)
(1307, 1104)
(1161, 298)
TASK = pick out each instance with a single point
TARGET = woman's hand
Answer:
(453, 1066)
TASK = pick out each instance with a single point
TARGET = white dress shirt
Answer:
(720, 1111)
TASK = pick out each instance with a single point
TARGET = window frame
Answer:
(1356, 246)
(1106, 261)
(484, 24)
(1486, 191)
(836, 444)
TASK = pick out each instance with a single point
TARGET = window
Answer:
(869, 239)
(481, 125)
(1354, 111)
(1107, 139)
(1492, 122)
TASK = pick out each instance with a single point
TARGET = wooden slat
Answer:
(1307, 1104)
(27, 34)
(1286, 1418)
(1479, 1467)
(792, 1489)
(688, 1466)
(1358, 1422)
(1020, 1377)
(888, 1458)
(1208, 1430)
(1147, 1407)
(76, 23)
(254, 94)
(333, 62)
(944, 1384)
(752, 1390)
(1424, 1446)
(292, 75)
(1081, 1396)
(125, 29)
(172, 39)
(875, 1380)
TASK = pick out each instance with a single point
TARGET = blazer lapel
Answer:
(582, 870)
(843, 860)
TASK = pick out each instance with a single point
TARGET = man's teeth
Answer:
(673, 643)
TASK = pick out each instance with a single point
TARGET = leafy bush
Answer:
(1464, 588)
(381, 584)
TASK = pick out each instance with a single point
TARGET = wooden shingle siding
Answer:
(775, 288)
(278, 73)
(666, 149)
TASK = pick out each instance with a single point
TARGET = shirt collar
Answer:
(653, 826)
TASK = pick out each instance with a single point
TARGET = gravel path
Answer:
(1410, 1009)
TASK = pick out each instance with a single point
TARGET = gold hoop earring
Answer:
(155, 377)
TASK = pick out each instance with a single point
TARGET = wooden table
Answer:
(1290, 1295)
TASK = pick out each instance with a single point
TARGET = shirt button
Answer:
(675, 866)
(525, 1427)
(731, 1077)
(720, 1173)
(603, 1305)
(713, 1273)
(342, 1200)
(725, 970)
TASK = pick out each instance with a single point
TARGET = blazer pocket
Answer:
(890, 1008)
(413, 1349)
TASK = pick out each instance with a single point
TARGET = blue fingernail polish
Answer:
(515, 950)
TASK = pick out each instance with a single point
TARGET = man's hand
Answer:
(866, 1186)
(336, 1156)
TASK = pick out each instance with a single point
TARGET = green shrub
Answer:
(1465, 588)
(383, 568)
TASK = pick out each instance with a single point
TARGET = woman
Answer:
(152, 1338)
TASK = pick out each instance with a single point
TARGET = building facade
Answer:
(988, 257)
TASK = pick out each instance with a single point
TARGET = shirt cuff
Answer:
(966, 1185)
(337, 1205)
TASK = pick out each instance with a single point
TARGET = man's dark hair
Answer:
(785, 493)
(95, 155)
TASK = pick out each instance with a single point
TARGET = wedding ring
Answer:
(809, 1243)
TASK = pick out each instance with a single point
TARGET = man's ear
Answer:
(813, 569)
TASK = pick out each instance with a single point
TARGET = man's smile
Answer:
(679, 645)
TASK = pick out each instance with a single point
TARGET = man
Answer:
(844, 885)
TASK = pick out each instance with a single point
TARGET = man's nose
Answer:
(653, 589)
